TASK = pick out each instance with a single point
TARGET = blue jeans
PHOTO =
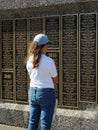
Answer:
(42, 103)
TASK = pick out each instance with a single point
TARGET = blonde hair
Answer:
(34, 49)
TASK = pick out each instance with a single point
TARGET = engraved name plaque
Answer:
(21, 49)
(55, 57)
(69, 60)
(7, 85)
(88, 57)
(52, 30)
(7, 44)
(36, 26)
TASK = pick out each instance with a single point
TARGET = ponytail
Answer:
(35, 49)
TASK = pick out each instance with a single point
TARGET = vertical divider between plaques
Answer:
(61, 66)
(79, 57)
(28, 41)
(44, 25)
(28, 31)
(77, 61)
(14, 54)
(1, 57)
(0, 61)
(59, 82)
(96, 58)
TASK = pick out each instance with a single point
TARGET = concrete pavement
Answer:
(6, 127)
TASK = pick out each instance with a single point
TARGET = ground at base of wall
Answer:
(7, 127)
(17, 115)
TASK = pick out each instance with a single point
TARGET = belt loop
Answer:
(35, 90)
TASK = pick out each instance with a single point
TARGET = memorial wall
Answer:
(73, 48)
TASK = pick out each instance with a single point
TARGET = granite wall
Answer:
(83, 118)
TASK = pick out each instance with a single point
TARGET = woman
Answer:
(43, 75)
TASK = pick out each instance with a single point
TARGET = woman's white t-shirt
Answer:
(41, 77)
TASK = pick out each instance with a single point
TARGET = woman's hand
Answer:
(55, 79)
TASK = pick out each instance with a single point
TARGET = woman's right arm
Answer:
(53, 72)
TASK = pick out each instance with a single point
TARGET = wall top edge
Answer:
(19, 4)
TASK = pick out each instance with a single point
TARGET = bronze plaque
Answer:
(52, 30)
(7, 44)
(88, 57)
(55, 56)
(36, 27)
(20, 51)
(69, 60)
(7, 85)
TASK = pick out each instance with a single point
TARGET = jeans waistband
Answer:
(41, 89)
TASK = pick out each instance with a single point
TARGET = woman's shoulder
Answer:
(47, 58)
